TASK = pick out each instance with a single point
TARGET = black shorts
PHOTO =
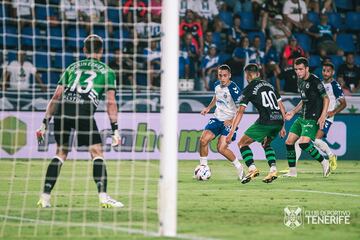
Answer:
(86, 130)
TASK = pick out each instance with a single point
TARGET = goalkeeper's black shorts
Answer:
(85, 128)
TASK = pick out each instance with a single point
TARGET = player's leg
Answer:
(223, 149)
(88, 135)
(293, 136)
(308, 133)
(212, 129)
(323, 146)
(248, 157)
(62, 129)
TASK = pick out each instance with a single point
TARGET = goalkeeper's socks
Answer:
(100, 174)
(270, 155)
(52, 174)
(291, 155)
(203, 161)
(309, 147)
(247, 155)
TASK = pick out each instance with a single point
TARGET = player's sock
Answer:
(323, 147)
(100, 174)
(203, 161)
(297, 150)
(247, 155)
(291, 155)
(310, 148)
(270, 156)
(236, 163)
(52, 174)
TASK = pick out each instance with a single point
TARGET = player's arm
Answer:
(289, 115)
(283, 113)
(209, 107)
(235, 122)
(112, 111)
(339, 108)
(50, 110)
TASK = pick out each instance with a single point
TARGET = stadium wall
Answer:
(141, 137)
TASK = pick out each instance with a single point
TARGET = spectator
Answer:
(208, 41)
(315, 5)
(291, 52)
(156, 8)
(130, 7)
(209, 66)
(123, 67)
(235, 34)
(184, 65)
(153, 58)
(18, 73)
(188, 46)
(279, 33)
(184, 6)
(325, 37)
(69, 10)
(256, 55)
(272, 61)
(206, 10)
(349, 74)
(23, 10)
(189, 25)
(270, 9)
(295, 12)
(288, 75)
(240, 58)
(240, 6)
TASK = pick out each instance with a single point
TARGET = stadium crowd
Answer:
(271, 33)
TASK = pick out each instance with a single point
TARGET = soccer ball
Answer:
(202, 172)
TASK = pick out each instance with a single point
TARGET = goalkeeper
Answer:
(73, 106)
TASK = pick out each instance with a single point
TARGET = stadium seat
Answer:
(75, 37)
(357, 60)
(27, 37)
(353, 21)
(224, 57)
(11, 36)
(337, 61)
(314, 61)
(217, 39)
(114, 15)
(335, 20)
(344, 4)
(247, 21)
(304, 41)
(12, 55)
(41, 12)
(41, 60)
(56, 38)
(252, 35)
(41, 37)
(313, 17)
(54, 77)
(345, 42)
(226, 17)
(101, 31)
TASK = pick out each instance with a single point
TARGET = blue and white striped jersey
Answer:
(227, 101)
(334, 92)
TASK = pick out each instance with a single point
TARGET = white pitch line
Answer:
(97, 225)
(329, 193)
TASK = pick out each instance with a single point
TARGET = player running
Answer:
(314, 105)
(73, 106)
(269, 124)
(226, 100)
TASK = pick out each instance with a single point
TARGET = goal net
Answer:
(39, 40)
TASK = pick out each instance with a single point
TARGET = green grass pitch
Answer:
(221, 208)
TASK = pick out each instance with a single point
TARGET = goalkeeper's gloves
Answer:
(40, 133)
(115, 136)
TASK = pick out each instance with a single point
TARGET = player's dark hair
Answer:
(93, 43)
(224, 67)
(329, 64)
(301, 60)
(251, 67)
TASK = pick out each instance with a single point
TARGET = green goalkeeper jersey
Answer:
(85, 82)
